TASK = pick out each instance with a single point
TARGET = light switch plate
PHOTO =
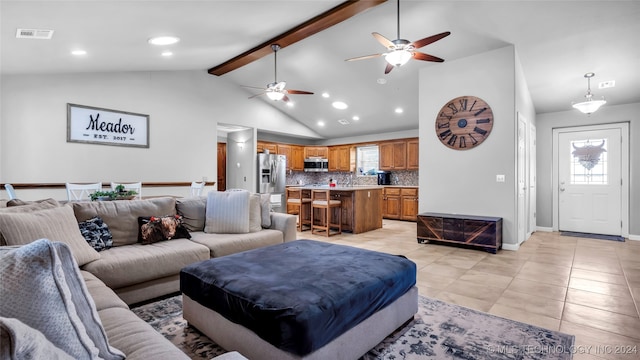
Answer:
(499, 178)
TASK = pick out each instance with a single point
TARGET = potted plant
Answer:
(120, 193)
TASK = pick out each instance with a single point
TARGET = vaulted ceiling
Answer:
(557, 43)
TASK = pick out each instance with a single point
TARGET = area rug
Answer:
(592, 236)
(439, 331)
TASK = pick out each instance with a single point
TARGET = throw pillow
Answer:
(97, 233)
(192, 211)
(227, 212)
(20, 341)
(56, 224)
(84, 304)
(255, 219)
(159, 228)
(265, 205)
(15, 207)
(34, 291)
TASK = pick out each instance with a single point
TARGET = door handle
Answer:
(562, 186)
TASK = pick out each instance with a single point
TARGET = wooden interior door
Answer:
(222, 166)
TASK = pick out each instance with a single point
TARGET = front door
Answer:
(590, 181)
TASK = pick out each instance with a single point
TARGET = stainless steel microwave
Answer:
(316, 165)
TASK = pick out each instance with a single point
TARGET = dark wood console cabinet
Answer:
(476, 231)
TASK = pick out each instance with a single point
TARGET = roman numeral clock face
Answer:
(464, 122)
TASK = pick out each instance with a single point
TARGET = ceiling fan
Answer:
(276, 90)
(401, 50)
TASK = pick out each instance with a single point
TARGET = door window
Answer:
(588, 165)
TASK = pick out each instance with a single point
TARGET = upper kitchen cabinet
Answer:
(297, 158)
(261, 146)
(340, 158)
(285, 150)
(393, 155)
(412, 154)
(316, 152)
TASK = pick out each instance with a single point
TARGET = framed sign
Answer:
(86, 124)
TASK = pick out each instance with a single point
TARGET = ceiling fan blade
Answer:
(364, 57)
(384, 41)
(252, 87)
(256, 95)
(388, 68)
(285, 99)
(299, 92)
(426, 57)
(431, 39)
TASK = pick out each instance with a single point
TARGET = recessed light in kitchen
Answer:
(163, 40)
(325, 95)
(355, 118)
(290, 103)
(78, 52)
(339, 105)
(399, 110)
(320, 123)
(167, 53)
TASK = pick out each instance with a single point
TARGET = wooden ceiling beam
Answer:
(321, 22)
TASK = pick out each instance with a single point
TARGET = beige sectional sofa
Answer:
(130, 272)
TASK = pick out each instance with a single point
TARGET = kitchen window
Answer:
(367, 160)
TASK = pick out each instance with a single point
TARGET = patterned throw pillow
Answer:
(159, 228)
(97, 233)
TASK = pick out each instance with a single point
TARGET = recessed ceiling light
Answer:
(163, 40)
(78, 52)
(339, 105)
(356, 118)
(167, 53)
(325, 94)
(399, 111)
(290, 104)
(320, 123)
(381, 81)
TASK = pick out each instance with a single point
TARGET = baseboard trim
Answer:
(510, 247)
(634, 237)
(545, 229)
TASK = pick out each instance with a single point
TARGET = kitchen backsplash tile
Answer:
(402, 178)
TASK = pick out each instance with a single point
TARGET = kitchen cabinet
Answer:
(297, 158)
(400, 203)
(409, 204)
(391, 203)
(285, 150)
(412, 154)
(340, 158)
(316, 151)
(482, 232)
(392, 155)
(261, 146)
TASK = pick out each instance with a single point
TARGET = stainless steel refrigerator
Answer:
(272, 172)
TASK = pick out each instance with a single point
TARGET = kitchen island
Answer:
(361, 205)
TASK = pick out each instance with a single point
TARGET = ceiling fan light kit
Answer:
(276, 90)
(589, 105)
(402, 50)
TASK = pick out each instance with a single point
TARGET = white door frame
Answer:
(532, 180)
(624, 170)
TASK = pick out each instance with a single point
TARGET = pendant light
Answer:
(589, 105)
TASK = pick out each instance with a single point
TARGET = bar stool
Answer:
(321, 199)
(299, 205)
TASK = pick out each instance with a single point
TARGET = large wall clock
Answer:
(464, 122)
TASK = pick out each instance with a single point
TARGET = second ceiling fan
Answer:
(401, 50)
(276, 90)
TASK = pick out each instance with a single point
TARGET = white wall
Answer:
(184, 108)
(607, 114)
(464, 182)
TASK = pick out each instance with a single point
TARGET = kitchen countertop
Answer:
(340, 188)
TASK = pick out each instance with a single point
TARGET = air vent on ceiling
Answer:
(34, 34)
(607, 84)
(344, 121)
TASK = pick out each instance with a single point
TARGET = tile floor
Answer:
(585, 287)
